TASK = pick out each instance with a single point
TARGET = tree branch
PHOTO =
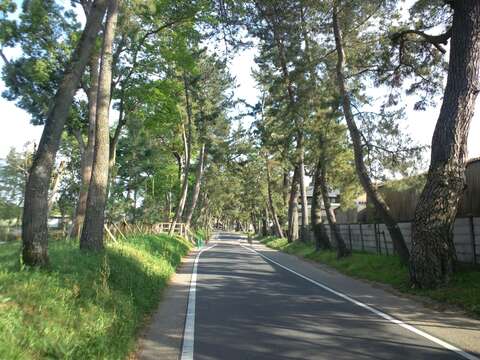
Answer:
(122, 120)
(78, 136)
(435, 40)
(4, 58)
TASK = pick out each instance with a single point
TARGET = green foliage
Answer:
(85, 306)
(46, 34)
(462, 291)
(416, 182)
(13, 175)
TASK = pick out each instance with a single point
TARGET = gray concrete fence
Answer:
(375, 238)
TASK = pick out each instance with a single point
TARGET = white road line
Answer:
(189, 330)
(373, 310)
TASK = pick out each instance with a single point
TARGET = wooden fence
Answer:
(113, 231)
(122, 229)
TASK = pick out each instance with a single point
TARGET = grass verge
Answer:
(201, 236)
(462, 291)
(85, 306)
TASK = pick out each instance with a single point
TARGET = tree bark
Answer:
(276, 224)
(303, 189)
(55, 184)
(92, 233)
(433, 251)
(285, 187)
(264, 223)
(342, 249)
(382, 208)
(293, 207)
(35, 211)
(198, 183)
(122, 120)
(253, 218)
(87, 158)
(322, 242)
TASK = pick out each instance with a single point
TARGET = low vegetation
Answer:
(462, 291)
(84, 305)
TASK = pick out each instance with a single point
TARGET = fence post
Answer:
(361, 238)
(385, 242)
(350, 236)
(472, 236)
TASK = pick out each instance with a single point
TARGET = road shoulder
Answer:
(451, 326)
(162, 337)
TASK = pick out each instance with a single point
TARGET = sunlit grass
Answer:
(85, 306)
(462, 291)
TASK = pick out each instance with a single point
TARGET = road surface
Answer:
(247, 307)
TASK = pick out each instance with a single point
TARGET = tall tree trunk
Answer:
(322, 242)
(268, 13)
(265, 223)
(35, 210)
(57, 177)
(196, 188)
(253, 218)
(168, 205)
(303, 189)
(293, 207)
(87, 158)
(372, 193)
(342, 250)
(184, 189)
(433, 251)
(122, 120)
(203, 209)
(92, 233)
(285, 187)
(276, 224)
(135, 197)
(187, 144)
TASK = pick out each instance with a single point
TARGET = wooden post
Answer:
(109, 233)
(119, 231)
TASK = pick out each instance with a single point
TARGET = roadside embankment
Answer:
(84, 305)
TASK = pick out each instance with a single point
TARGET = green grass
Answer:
(462, 291)
(201, 236)
(84, 306)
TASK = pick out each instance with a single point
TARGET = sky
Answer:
(16, 129)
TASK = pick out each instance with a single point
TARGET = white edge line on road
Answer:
(189, 329)
(373, 310)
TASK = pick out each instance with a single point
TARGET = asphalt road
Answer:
(249, 308)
